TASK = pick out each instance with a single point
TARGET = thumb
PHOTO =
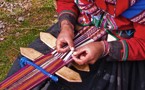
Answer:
(71, 44)
(79, 52)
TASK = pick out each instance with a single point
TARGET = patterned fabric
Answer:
(122, 23)
(138, 10)
(90, 14)
(111, 1)
(93, 15)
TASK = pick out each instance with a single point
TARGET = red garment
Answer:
(63, 5)
(136, 44)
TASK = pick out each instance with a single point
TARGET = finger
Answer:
(77, 60)
(85, 58)
(81, 59)
(59, 46)
(93, 60)
(63, 49)
(79, 52)
(70, 44)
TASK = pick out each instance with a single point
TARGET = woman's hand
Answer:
(88, 54)
(65, 37)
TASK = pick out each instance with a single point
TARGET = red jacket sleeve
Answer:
(66, 5)
(132, 49)
(67, 10)
(118, 8)
(136, 45)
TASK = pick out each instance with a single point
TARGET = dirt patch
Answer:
(24, 14)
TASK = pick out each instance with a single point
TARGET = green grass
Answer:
(38, 18)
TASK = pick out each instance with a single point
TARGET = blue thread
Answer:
(25, 61)
(134, 10)
(22, 64)
(129, 32)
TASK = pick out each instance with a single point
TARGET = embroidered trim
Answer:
(139, 18)
(67, 23)
(125, 50)
(111, 23)
(68, 12)
(106, 48)
(91, 14)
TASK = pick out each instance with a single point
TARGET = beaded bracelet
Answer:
(66, 22)
(106, 48)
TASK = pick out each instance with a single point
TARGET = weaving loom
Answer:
(45, 66)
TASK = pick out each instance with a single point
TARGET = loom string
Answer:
(59, 55)
(84, 40)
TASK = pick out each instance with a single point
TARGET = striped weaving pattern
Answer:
(28, 77)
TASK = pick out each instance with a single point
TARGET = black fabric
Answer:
(68, 17)
(104, 75)
(115, 51)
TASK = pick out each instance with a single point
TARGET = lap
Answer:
(103, 76)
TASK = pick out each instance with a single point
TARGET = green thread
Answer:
(126, 50)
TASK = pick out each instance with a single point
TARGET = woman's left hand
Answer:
(88, 54)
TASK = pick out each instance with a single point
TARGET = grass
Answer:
(19, 34)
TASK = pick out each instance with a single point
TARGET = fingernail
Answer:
(72, 49)
(74, 53)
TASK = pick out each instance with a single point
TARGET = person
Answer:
(115, 64)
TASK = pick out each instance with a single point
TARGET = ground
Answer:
(20, 23)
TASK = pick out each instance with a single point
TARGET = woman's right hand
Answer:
(65, 37)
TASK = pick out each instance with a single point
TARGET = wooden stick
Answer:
(64, 72)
